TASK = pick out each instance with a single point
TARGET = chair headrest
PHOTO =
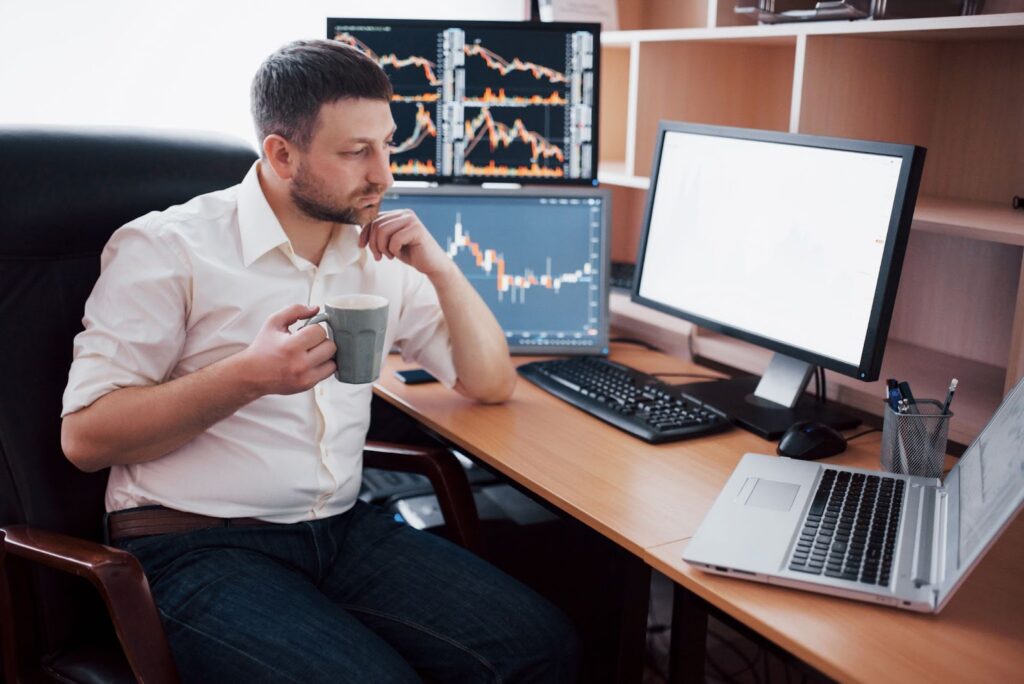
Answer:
(97, 179)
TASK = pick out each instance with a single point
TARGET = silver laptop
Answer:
(774, 521)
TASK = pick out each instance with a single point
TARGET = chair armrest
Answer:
(447, 477)
(119, 578)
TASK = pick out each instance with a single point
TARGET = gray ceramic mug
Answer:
(357, 324)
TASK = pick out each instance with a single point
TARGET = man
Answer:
(221, 422)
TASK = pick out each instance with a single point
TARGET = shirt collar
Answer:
(261, 231)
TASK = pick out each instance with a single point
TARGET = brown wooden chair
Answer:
(62, 193)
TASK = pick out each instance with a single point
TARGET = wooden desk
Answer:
(650, 498)
(638, 495)
(978, 637)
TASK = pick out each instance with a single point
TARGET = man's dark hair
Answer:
(294, 82)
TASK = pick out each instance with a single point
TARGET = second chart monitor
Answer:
(537, 259)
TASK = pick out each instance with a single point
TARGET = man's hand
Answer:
(281, 362)
(479, 350)
(401, 234)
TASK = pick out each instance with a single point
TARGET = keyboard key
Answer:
(841, 575)
(802, 568)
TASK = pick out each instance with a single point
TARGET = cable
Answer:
(824, 389)
(633, 340)
(686, 375)
(817, 384)
(861, 434)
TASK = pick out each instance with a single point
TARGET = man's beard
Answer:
(307, 192)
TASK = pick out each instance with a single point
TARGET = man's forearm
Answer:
(139, 424)
(478, 343)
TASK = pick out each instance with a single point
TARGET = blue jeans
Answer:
(354, 598)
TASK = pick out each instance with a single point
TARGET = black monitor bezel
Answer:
(900, 220)
(553, 26)
(601, 345)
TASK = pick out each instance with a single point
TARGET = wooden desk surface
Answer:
(650, 498)
(978, 637)
(637, 494)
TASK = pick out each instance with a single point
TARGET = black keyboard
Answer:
(635, 402)
(851, 528)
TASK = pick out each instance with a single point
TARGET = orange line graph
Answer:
(422, 97)
(502, 134)
(491, 58)
(500, 98)
(502, 65)
(424, 128)
(415, 167)
(493, 169)
(392, 59)
(490, 260)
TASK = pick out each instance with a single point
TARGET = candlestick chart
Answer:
(536, 262)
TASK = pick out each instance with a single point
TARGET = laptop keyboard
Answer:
(850, 530)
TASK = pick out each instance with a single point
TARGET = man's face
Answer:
(345, 169)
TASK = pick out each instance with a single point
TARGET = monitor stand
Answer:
(768, 405)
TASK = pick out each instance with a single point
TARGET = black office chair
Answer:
(62, 193)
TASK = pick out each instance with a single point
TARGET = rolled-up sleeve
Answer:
(422, 334)
(134, 319)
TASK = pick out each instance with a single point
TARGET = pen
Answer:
(907, 395)
(949, 396)
(892, 392)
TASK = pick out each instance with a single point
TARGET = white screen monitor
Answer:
(791, 242)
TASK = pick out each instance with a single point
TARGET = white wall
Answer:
(183, 64)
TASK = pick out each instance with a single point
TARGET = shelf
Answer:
(986, 221)
(668, 333)
(1009, 25)
(974, 220)
(614, 173)
(928, 371)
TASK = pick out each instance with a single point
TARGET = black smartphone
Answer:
(414, 376)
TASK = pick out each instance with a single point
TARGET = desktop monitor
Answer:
(482, 101)
(790, 242)
(537, 257)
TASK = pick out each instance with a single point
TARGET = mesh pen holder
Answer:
(914, 443)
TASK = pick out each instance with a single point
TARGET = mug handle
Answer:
(320, 318)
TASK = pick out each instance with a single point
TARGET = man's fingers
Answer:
(381, 236)
(321, 353)
(283, 319)
(400, 239)
(308, 337)
(388, 219)
(324, 370)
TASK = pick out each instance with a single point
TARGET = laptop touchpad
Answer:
(778, 496)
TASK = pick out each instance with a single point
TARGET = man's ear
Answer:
(281, 155)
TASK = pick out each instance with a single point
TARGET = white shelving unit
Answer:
(951, 84)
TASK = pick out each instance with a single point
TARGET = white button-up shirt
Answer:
(183, 288)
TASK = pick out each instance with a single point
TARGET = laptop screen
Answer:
(992, 477)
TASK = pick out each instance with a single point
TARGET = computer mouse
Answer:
(809, 441)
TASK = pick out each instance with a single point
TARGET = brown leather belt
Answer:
(150, 520)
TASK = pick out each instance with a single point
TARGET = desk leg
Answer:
(689, 637)
(633, 630)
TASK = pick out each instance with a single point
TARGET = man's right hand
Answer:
(282, 362)
(169, 414)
